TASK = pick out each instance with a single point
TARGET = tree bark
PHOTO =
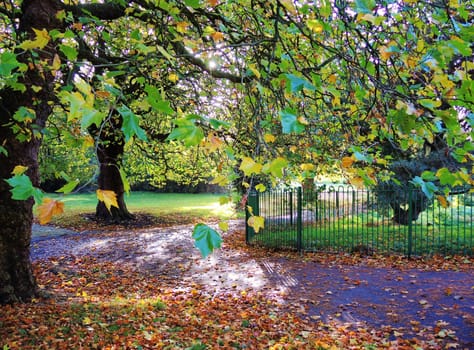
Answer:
(110, 148)
(17, 282)
(403, 216)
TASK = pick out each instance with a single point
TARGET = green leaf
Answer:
(8, 63)
(187, 132)
(130, 125)
(325, 8)
(463, 47)
(24, 114)
(3, 151)
(126, 184)
(277, 166)
(69, 187)
(22, 188)
(431, 104)
(298, 83)
(290, 123)
(115, 73)
(156, 101)
(364, 6)
(448, 178)
(195, 4)
(91, 116)
(428, 188)
(69, 52)
(249, 166)
(428, 176)
(206, 239)
(216, 124)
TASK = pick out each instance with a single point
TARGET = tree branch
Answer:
(181, 50)
(105, 11)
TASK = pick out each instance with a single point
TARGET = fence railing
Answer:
(346, 219)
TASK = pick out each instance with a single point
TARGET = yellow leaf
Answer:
(41, 40)
(250, 210)
(288, 4)
(56, 62)
(88, 142)
(108, 197)
(220, 180)
(173, 77)
(61, 15)
(214, 142)
(384, 53)
(307, 166)
(86, 321)
(208, 30)
(357, 182)
(256, 222)
(182, 27)
(443, 201)
(249, 166)
(224, 200)
(347, 162)
(315, 26)
(217, 36)
(260, 188)
(48, 208)
(19, 169)
(224, 226)
(303, 120)
(269, 138)
(254, 70)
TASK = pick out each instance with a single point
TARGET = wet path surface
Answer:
(410, 300)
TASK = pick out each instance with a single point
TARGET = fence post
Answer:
(290, 193)
(253, 202)
(299, 220)
(410, 220)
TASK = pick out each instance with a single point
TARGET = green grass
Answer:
(452, 235)
(182, 207)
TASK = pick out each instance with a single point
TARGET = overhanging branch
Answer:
(104, 11)
(181, 50)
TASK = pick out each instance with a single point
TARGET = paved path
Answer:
(409, 300)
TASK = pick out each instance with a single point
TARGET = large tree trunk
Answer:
(16, 217)
(17, 282)
(409, 212)
(110, 149)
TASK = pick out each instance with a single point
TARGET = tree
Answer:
(25, 97)
(310, 83)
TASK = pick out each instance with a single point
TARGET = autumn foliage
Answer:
(94, 301)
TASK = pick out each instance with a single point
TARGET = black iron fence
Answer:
(346, 219)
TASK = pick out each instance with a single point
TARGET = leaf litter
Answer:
(149, 288)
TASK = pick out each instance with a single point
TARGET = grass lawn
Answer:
(169, 207)
(450, 236)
